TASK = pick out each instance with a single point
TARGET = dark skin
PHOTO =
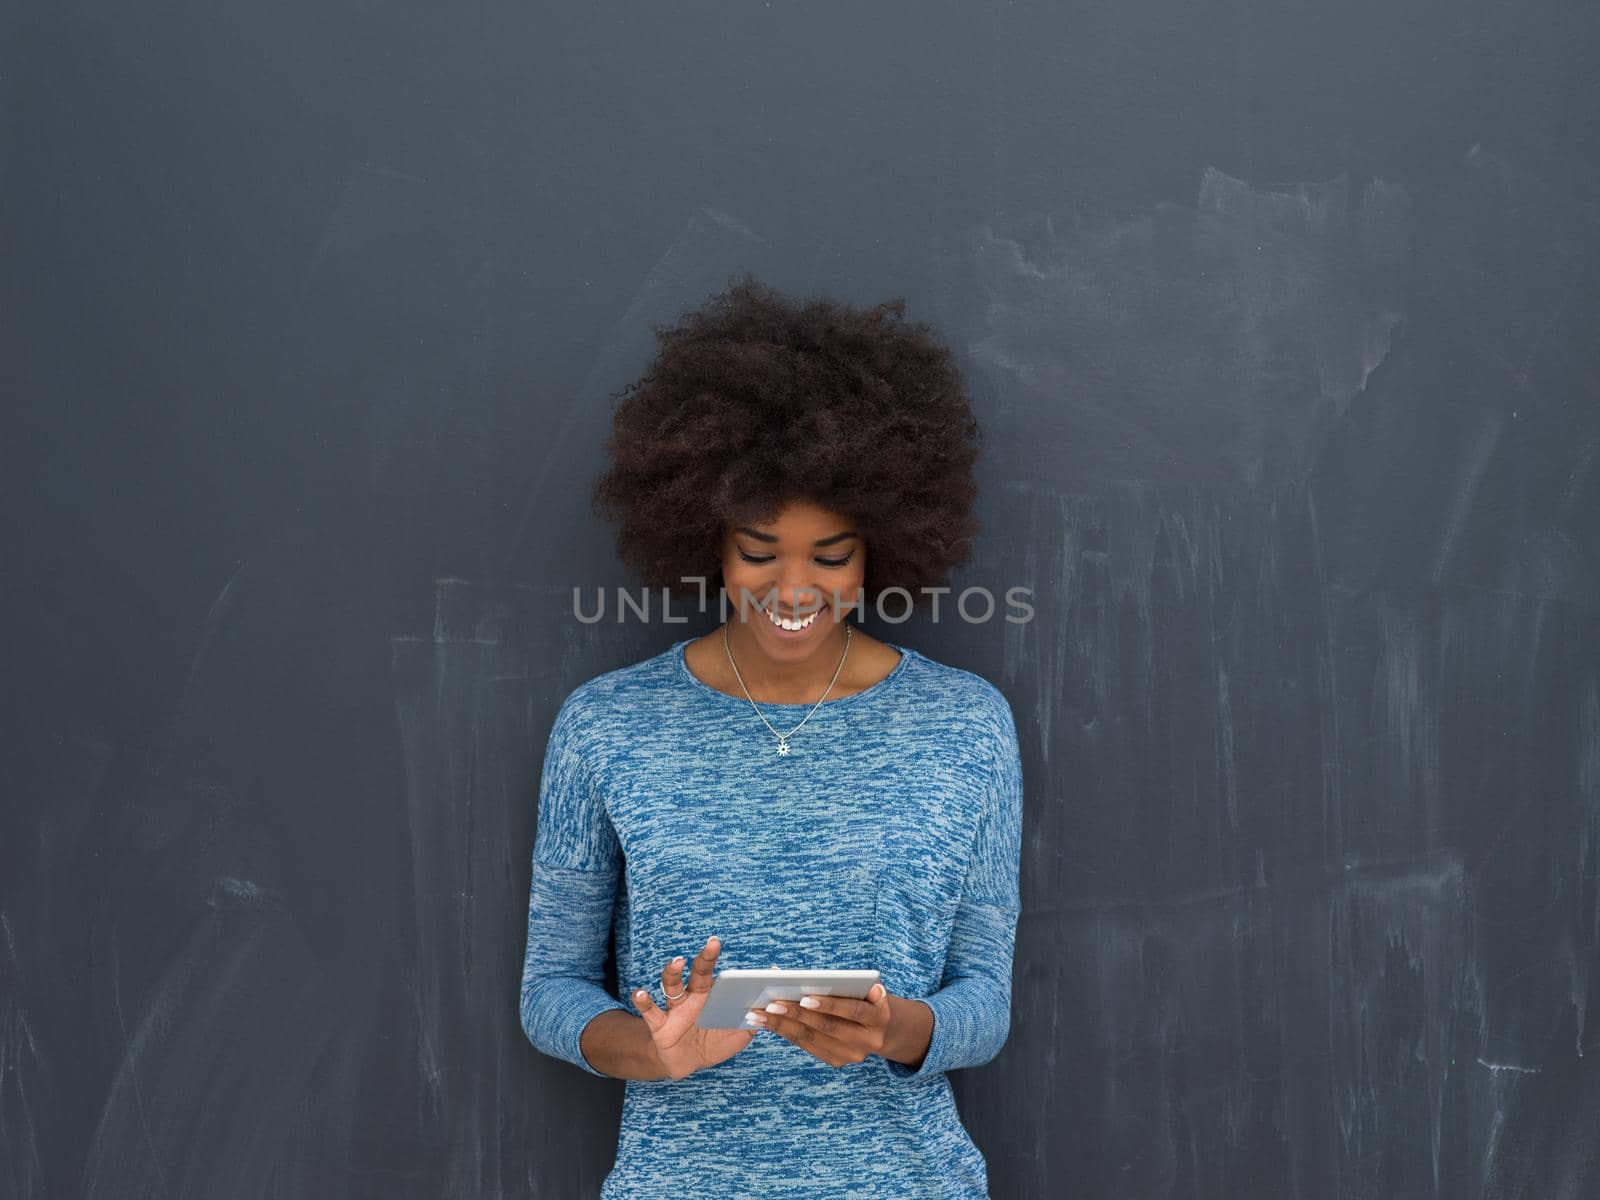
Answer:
(808, 560)
(835, 1029)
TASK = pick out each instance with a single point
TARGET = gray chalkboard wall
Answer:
(1281, 320)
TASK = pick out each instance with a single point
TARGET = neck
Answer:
(788, 680)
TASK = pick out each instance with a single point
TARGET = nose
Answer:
(796, 592)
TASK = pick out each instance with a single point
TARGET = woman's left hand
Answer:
(836, 1029)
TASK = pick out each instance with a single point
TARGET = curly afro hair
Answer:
(754, 400)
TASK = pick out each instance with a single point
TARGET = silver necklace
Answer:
(783, 738)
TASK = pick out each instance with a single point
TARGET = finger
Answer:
(874, 1010)
(822, 1023)
(700, 973)
(782, 1020)
(654, 1018)
(672, 979)
(813, 1043)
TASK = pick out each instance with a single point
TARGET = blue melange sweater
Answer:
(888, 837)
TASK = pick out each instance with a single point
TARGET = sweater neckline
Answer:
(681, 667)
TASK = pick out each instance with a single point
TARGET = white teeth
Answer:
(792, 626)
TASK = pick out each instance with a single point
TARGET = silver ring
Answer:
(670, 996)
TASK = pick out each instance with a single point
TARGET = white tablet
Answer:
(737, 990)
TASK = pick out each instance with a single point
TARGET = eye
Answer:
(826, 562)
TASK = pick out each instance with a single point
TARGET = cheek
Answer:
(736, 573)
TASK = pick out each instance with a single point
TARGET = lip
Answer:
(795, 634)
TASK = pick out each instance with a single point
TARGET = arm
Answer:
(566, 1011)
(970, 1014)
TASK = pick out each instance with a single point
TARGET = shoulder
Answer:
(599, 707)
(969, 697)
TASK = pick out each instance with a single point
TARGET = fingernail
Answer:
(775, 1007)
(677, 962)
(880, 990)
(810, 1002)
(713, 939)
(754, 1018)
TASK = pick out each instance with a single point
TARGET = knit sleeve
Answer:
(972, 1007)
(576, 860)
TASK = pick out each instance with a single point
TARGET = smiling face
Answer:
(805, 568)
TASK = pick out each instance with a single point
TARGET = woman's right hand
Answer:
(682, 1046)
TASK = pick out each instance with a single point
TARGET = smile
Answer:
(792, 626)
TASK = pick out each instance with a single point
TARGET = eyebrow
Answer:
(772, 537)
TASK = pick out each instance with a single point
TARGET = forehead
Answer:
(800, 517)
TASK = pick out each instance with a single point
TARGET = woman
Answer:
(786, 790)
